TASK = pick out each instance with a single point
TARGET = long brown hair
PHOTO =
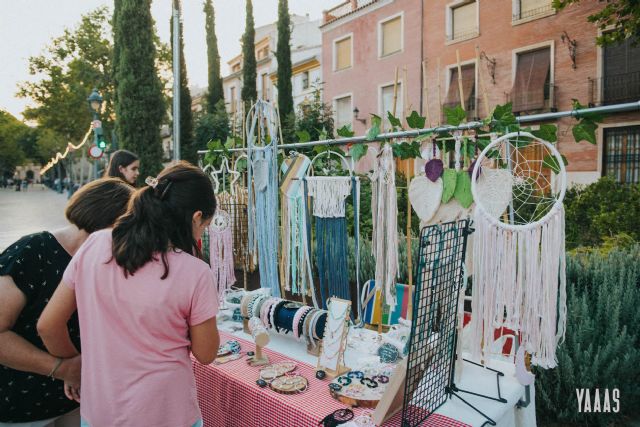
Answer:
(160, 218)
(120, 158)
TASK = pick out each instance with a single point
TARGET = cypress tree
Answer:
(140, 106)
(285, 90)
(187, 149)
(116, 46)
(249, 92)
(215, 92)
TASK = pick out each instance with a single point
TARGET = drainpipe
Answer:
(420, 89)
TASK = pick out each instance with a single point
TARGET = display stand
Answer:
(261, 339)
(334, 343)
(393, 398)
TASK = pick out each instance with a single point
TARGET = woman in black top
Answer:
(32, 380)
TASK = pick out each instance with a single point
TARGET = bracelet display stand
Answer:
(261, 339)
(334, 343)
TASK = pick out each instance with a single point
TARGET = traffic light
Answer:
(102, 144)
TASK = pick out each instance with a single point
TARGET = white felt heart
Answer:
(260, 174)
(425, 196)
(494, 190)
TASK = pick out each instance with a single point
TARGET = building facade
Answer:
(518, 51)
(305, 59)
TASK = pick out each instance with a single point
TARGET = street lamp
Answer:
(95, 106)
(95, 103)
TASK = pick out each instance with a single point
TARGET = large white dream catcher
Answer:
(519, 249)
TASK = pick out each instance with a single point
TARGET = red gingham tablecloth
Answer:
(229, 396)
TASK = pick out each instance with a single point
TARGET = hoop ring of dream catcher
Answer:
(519, 279)
(527, 175)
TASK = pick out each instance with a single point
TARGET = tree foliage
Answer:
(140, 108)
(249, 92)
(283, 54)
(187, 144)
(11, 154)
(70, 67)
(215, 92)
(621, 19)
(211, 126)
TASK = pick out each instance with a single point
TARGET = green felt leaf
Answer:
(462, 192)
(323, 134)
(547, 132)
(358, 151)
(406, 150)
(395, 122)
(585, 131)
(551, 162)
(241, 164)
(449, 181)
(416, 121)
(455, 116)
(374, 130)
(345, 131)
(303, 136)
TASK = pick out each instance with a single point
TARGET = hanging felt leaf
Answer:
(416, 121)
(470, 170)
(449, 180)
(393, 120)
(357, 151)
(551, 162)
(374, 130)
(433, 169)
(462, 192)
(345, 131)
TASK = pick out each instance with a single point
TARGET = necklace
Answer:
(341, 315)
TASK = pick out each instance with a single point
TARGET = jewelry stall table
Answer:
(229, 396)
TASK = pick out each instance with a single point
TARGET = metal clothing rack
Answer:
(615, 108)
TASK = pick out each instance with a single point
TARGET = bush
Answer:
(603, 211)
(602, 345)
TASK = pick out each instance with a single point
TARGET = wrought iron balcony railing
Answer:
(614, 89)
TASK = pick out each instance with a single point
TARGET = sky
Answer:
(27, 26)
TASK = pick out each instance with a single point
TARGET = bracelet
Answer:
(369, 382)
(356, 374)
(381, 378)
(55, 367)
(343, 380)
(299, 318)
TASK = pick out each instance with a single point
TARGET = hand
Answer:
(72, 391)
(70, 369)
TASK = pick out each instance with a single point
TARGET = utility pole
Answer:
(176, 81)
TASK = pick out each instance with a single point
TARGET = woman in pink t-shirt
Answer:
(144, 299)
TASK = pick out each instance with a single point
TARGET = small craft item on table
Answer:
(337, 417)
(355, 388)
(261, 338)
(334, 343)
(289, 384)
(262, 174)
(276, 370)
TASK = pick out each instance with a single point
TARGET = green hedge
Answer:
(602, 346)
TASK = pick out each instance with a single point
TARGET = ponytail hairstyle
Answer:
(160, 216)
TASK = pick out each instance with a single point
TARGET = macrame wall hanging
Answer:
(384, 209)
(329, 195)
(519, 248)
(295, 264)
(262, 166)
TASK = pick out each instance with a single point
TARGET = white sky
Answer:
(27, 26)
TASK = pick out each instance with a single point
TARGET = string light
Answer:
(70, 147)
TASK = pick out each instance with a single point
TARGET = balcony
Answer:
(616, 89)
(463, 34)
(344, 9)
(531, 101)
(531, 14)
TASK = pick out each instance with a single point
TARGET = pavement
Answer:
(26, 212)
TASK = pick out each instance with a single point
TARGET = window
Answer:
(621, 74)
(235, 68)
(305, 80)
(468, 89)
(391, 36)
(532, 89)
(621, 154)
(386, 104)
(462, 21)
(265, 86)
(232, 97)
(342, 53)
(344, 114)
(524, 9)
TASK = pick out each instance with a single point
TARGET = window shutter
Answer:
(464, 20)
(387, 104)
(532, 69)
(391, 36)
(343, 54)
(343, 112)
(533, 7)
(468, 86)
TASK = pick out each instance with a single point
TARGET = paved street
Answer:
(28, 212)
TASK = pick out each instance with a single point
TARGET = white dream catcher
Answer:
(519, 249)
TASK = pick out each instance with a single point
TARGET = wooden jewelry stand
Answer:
(340, 368)
(261, 339)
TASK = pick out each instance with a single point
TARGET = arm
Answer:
(18, 353)
(205, 341)
(52, 325)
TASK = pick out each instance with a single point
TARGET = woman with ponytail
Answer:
(144, 299)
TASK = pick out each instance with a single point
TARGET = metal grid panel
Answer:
(433, 333)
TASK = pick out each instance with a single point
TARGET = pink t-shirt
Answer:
(136, 368)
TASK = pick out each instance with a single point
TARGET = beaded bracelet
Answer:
(252, 301)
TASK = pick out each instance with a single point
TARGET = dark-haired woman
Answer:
(31, 379)
(145, 299)
(124, 165)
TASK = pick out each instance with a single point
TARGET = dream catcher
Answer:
(262, 172)
(519, 245)
(295, 264)
(329, 195)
